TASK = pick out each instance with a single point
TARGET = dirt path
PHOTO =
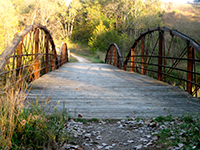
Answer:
(80, 59)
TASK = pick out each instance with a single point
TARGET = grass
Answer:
(179, 130)
(83, 50)
(86, 120)
(93, 59)
(72, 59)
(29, 126)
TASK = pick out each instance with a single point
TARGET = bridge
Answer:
(123, 87)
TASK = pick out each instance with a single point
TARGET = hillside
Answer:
(182, 17)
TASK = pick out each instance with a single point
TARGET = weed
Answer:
(72, 60)
(94, 120)
(80, 120)
(163, 118)
(184, 129)
(11, 103)
(175, 12)
(28, 126)
(86, 120)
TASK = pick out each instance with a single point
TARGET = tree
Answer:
(66, 18)
(8, 23)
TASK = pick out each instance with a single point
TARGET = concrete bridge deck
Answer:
(104, 91)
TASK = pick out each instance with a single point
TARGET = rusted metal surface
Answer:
(63, 53)
(167, 55)
(114, 56)
(30, 54)
(190, 68)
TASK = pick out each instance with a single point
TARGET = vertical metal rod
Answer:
(190, 68)
(195, 70)
(67, 55)
(110, 56)
(125, 64)
(114, 55)
(64, 53)
(54, 57)
(47, 54)
(118, 61)
(132, 59)
(36, 66)
(160, 54)
(142, 58)
(19, 59)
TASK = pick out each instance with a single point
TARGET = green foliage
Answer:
(163, 118)
(102, 37)
(175, 12)
(24, 126)
(86, 120)
(184, 129)
(35, 129)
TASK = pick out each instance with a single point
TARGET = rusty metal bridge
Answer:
(135, 85)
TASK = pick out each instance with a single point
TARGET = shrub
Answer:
(175, 12)
(102, 37)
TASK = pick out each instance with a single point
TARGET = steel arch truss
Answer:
(166, 55)
(30, 54)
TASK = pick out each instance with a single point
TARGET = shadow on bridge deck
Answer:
(104, 91)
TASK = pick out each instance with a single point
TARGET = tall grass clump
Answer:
(26, 124)
(11, 103)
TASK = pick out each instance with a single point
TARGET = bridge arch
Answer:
(114, 56)
(31, 54)
(167, 55)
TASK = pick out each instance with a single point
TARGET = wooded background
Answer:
(96, 23)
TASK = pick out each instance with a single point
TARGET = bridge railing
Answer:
(166, 55)
(114, 56)
(30, 54)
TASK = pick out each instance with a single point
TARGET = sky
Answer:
(177, 1)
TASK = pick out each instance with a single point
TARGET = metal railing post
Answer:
(160, 55)
(110, 57)
(190, 68)
(114, 56)
(47, 54)
(64, 52)
(142, 58)
(19, 59)
(132, 60)
(118, 61)
(36, 66)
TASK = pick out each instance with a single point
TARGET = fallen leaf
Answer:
(80, 116)
(147, 122)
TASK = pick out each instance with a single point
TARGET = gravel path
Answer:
(116, 135)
